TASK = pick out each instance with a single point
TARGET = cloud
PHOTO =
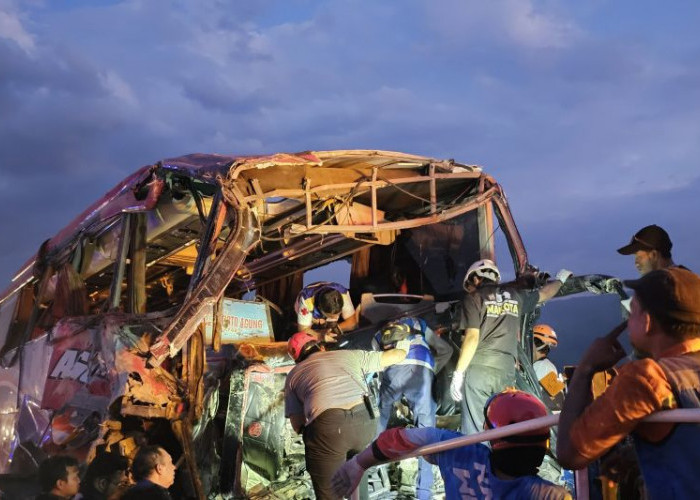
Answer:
(562, 109)
(118, 88)
(11, 28)
(517, 23)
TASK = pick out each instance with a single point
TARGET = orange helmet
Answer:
(512, 406)
(545, 334)
(298, 343)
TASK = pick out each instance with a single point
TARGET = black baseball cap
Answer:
(673, 292)
(648, 238)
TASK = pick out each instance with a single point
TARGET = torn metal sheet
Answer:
(208, 290)
(217, 227)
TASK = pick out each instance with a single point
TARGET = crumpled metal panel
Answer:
(9, 381)
(208, 290)
(98, 359)
(35, 367)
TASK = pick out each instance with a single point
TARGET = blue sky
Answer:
(588, 113)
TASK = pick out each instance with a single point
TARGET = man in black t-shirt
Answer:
(491, 322)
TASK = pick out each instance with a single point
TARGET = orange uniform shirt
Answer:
(640, 389)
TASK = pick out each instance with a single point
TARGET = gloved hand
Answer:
(627, 304)
(346, 479)
(563, 275)
(404, 345)
(456, 385)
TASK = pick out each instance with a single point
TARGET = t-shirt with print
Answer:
(496, 311)
(466, 470)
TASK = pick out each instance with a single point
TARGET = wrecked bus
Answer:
(160, 313)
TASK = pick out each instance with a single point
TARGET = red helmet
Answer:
(297, 343)
(545, 334)
(512, 406)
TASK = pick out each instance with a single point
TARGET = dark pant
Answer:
(480, 383)
(332, 438)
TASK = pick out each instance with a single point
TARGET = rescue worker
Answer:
(651, 247)
(325, 307)
(412, 378)
(327, 400)
(544, 339)
(491, 318)
(664, 328)
(508, 470)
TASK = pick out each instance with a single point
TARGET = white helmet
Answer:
(484, 268)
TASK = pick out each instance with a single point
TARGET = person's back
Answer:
(331, 379)
(508, 470)
(146, 490)
(419, 352)
(468, 470)
(410, 381)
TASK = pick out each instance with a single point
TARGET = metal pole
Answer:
(115, 291)
(683, 415)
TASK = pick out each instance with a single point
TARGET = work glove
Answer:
(456, 385)
(346, 479)
(404, 345)
(627, 304)
(563, 275)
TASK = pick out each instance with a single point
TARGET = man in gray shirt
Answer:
(327, 401)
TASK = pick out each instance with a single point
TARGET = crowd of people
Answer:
(109, 476)
(664, 327)
(329, 401)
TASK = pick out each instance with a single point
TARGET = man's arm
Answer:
(604, 353)
(396, 355)
(293, 407)
(579, 396)
(466, 354)
(550, 289)
(388, 446)
(298, 421)
(469, 345)
(351, 322)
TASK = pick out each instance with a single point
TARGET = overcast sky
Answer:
(588, 113)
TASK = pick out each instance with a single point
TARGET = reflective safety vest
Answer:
(670, 468)
(419, 352)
